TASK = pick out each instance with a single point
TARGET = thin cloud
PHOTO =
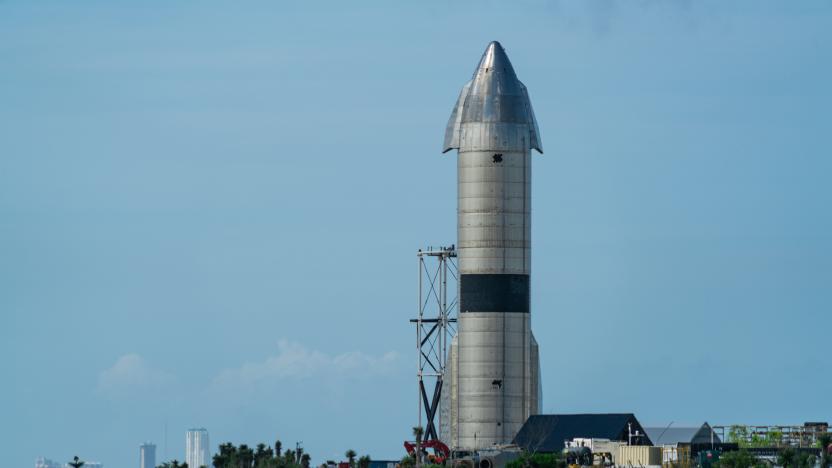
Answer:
(295, 362)
(132, 375)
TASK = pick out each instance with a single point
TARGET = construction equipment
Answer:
(440, 450)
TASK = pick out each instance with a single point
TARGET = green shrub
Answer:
(538, 460)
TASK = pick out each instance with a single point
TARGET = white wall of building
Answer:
(197, 448)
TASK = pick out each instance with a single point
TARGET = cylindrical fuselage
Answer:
(494, 261)
(494, 364)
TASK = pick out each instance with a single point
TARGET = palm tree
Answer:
(173, 464)
(304, 460)
(261, 450)
(364, 462)
(351, 457)
(76, 462)
(825, 458)
(226, 457)
(289, 457)
(807, 460)
(262, 455)
(245, 456)
(786, 458)
(278, 446)
(418, 432)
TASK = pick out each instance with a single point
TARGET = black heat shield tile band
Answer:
(494, 293)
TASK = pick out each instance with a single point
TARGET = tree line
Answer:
(266, 456)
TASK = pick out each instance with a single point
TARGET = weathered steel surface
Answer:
(494, 365)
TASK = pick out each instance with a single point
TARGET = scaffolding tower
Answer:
(435, 328)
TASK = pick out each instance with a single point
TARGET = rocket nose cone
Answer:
(494, 95)
(494, 59)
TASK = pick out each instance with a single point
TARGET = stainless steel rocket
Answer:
(493, 366)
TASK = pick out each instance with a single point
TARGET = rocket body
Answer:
(493, 371)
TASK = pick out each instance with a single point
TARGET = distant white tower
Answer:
(197, 448)
(147, 455)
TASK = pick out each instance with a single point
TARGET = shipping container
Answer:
(638, 455)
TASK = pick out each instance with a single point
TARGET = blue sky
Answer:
(209, 214)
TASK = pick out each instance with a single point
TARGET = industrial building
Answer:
(681, 445)
(549, 433)
(806, 435)
(384, 463)
(684, 436)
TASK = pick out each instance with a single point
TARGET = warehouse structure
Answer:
(681, 445)
(548, 433)
(684, 436)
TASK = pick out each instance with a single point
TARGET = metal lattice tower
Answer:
(435, 327)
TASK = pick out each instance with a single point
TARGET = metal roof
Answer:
(682, 435)
(547, 432)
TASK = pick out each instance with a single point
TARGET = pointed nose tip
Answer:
(495, 59)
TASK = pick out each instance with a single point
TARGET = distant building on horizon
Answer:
(197, 448)
(43, 462)
(147, 455)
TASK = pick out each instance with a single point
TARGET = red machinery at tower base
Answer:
(441, 452)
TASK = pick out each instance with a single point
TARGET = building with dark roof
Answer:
(547, 433)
